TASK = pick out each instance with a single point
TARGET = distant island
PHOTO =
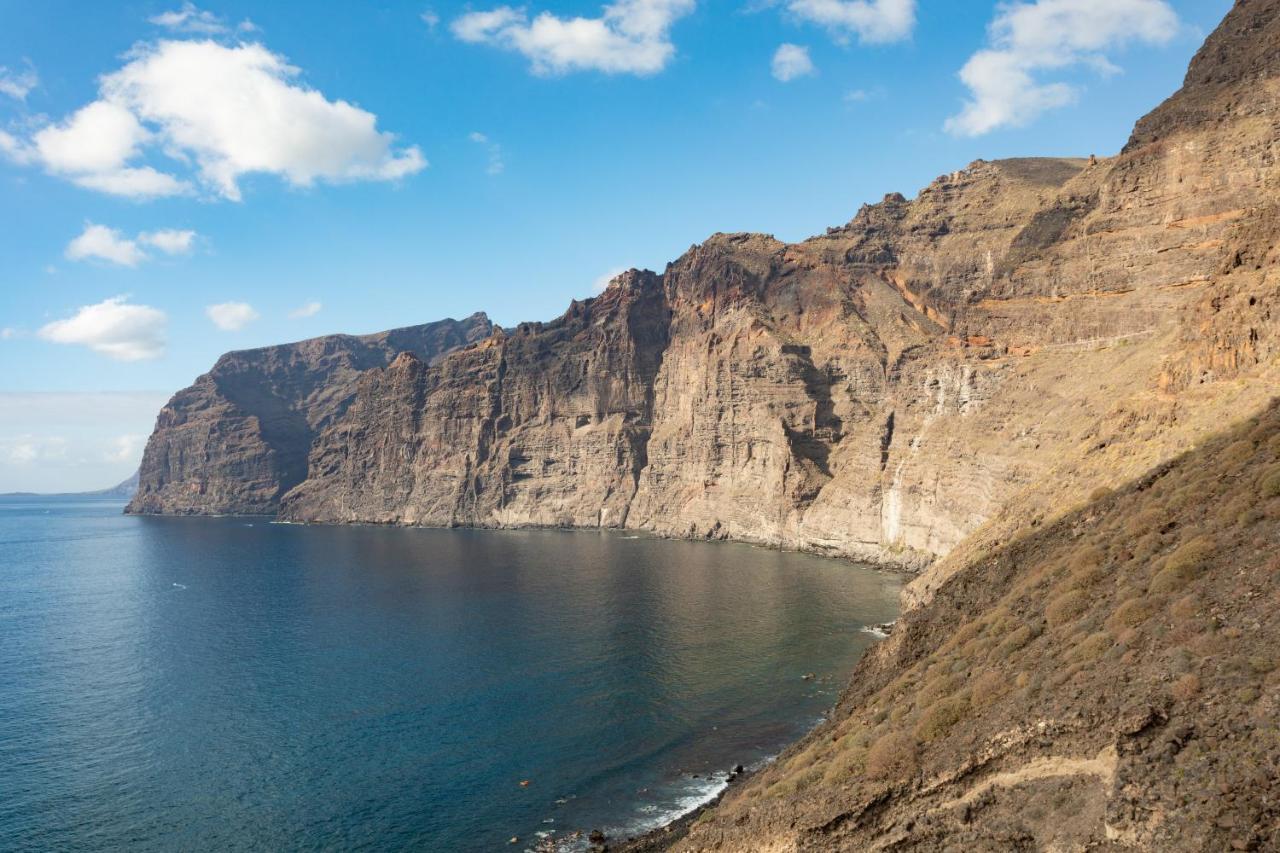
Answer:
(121, 491)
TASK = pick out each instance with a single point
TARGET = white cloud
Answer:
(105, 244)
(223, 111)
(190, 19)
(114, 328)
(872, 21)
(496, 164)
(431, 19)
(98, 242)
(791, 61)
(307, 309)
(8, 333)
(630, 36)
(29, 448)
(125, 448)
(18, 84)
(601, 284)
(1047, 35)
(66, 442)
(171, 241)
(231, 316)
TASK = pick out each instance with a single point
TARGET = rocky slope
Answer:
(880, 391)
(239, 438)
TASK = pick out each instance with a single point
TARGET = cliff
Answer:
(1095, 666)
(881, 391)
(239, 438)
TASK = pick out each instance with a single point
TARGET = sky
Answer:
(178, 180)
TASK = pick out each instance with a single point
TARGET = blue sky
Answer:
(485, 158)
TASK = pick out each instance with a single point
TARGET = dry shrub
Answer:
(1186, 608)
(1066, 608)
(937, 689)
(892, 757)
(1147, 521)
(1092, 647)
(939, 717)
(1016, 640)
(989, 687)
(1269, 483)
(1186, 688)
(1184, 564)
(1099, 494)
(1132, 613)
(1237, 452)
(848, 763)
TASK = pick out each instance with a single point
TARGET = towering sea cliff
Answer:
(879, 391)
(239, 438)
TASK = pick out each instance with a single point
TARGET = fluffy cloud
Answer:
(496, 164)
(105, 244)
(791, 61)
(227, 112)
(872, 21)
(98, 242)
(308, 309)
(171, 241)
(1047, 35)
(630, 36)
(231, 316)
(114, 328)
(18, 84)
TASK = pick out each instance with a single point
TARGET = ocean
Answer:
(233, 684)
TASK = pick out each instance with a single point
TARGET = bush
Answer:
(892, 757)
(1092, 647)
(1269, 485)
(1147, 521)
(1184, 565)
(1131, 614)
(1237, 452)
(1186, 688)
(989, 687)
(1066, 608)
(1099, 494)
(938, 719)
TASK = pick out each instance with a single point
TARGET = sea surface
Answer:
(233, 684)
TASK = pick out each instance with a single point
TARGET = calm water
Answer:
(218, 684)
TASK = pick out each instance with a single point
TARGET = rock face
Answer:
(880, 391)
(239, 438)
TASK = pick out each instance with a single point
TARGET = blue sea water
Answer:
(227, 684)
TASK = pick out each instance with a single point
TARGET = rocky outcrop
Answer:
(238, 439)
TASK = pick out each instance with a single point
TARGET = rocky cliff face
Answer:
(880, 391)
(239, 438)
